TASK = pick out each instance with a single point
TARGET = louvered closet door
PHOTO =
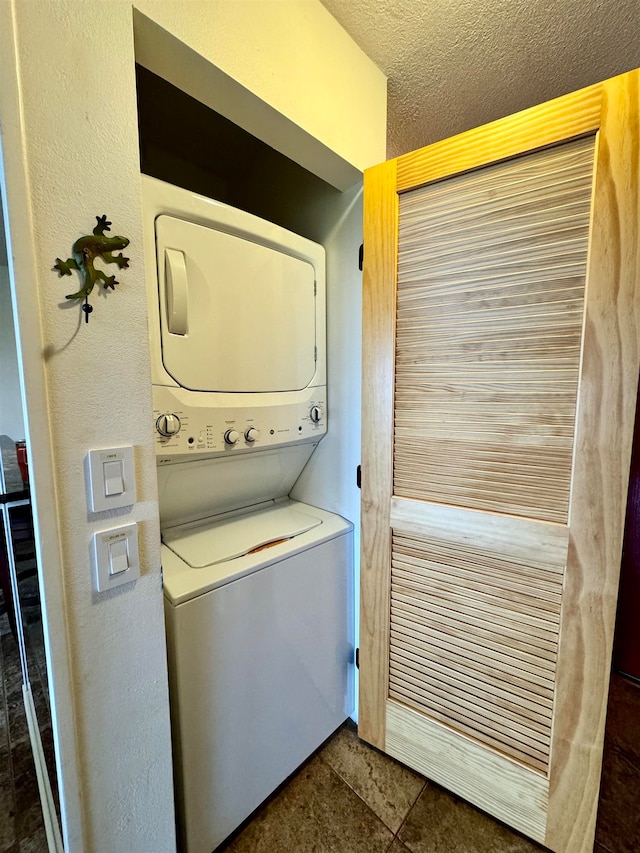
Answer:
(500, 373)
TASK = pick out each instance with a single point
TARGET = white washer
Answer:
(259, 651)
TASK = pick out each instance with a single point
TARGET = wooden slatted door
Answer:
(500, 357)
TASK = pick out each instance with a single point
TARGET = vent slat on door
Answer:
(506, 637)
(530, 705)
(531, 733)
(495, 673)
(474, 641)
(491, 270)
(455, 637)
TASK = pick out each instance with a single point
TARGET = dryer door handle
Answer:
(176, 292)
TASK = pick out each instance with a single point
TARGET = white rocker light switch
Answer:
(116, 559)
(118, 556)
(113, 476)
(111, 480)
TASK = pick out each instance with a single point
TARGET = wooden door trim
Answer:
(606, 410)
(519, 538)
(508, 791)
(559, 120)
(378, 363)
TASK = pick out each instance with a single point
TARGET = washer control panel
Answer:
(188, 431)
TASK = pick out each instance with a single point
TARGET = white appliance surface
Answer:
(268, 523)
(259, 671)
(228, 278)
(204, 487)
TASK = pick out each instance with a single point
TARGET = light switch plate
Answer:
(103, 490)
(115, 556)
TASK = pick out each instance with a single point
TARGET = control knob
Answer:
(251, 434)
(231, 436)
(315, 414)
(168, 425)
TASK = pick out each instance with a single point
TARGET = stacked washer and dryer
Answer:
(257, 586)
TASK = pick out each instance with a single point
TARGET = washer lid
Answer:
(205, 543)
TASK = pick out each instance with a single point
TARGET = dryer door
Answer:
(236, 316)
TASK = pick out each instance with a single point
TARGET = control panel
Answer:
(188, 431)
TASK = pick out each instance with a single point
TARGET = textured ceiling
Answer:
(456, 64)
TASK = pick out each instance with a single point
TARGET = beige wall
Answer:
(69, 119)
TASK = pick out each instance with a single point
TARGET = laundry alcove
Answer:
(186, 144)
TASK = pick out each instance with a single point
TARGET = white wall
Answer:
(72, 97)
(11, 422)
(310, 86)
(329, 478)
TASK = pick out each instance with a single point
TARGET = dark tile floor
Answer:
(350, 798)
(21, 821)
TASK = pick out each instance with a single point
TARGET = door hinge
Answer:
(361, 257)
(315, 288)
(358, 658)
(359, 477)
(315, 353)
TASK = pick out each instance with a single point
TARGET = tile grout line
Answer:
(406, 817)
(350, 788)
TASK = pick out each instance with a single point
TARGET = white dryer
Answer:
(258, 588)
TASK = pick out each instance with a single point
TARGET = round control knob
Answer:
(168, 425)
(231, 436)
(315, 414)
(251, 434)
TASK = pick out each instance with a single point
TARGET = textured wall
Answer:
(80, 131)
(457, 64)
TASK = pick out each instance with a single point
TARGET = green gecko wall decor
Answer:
(85, 250)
